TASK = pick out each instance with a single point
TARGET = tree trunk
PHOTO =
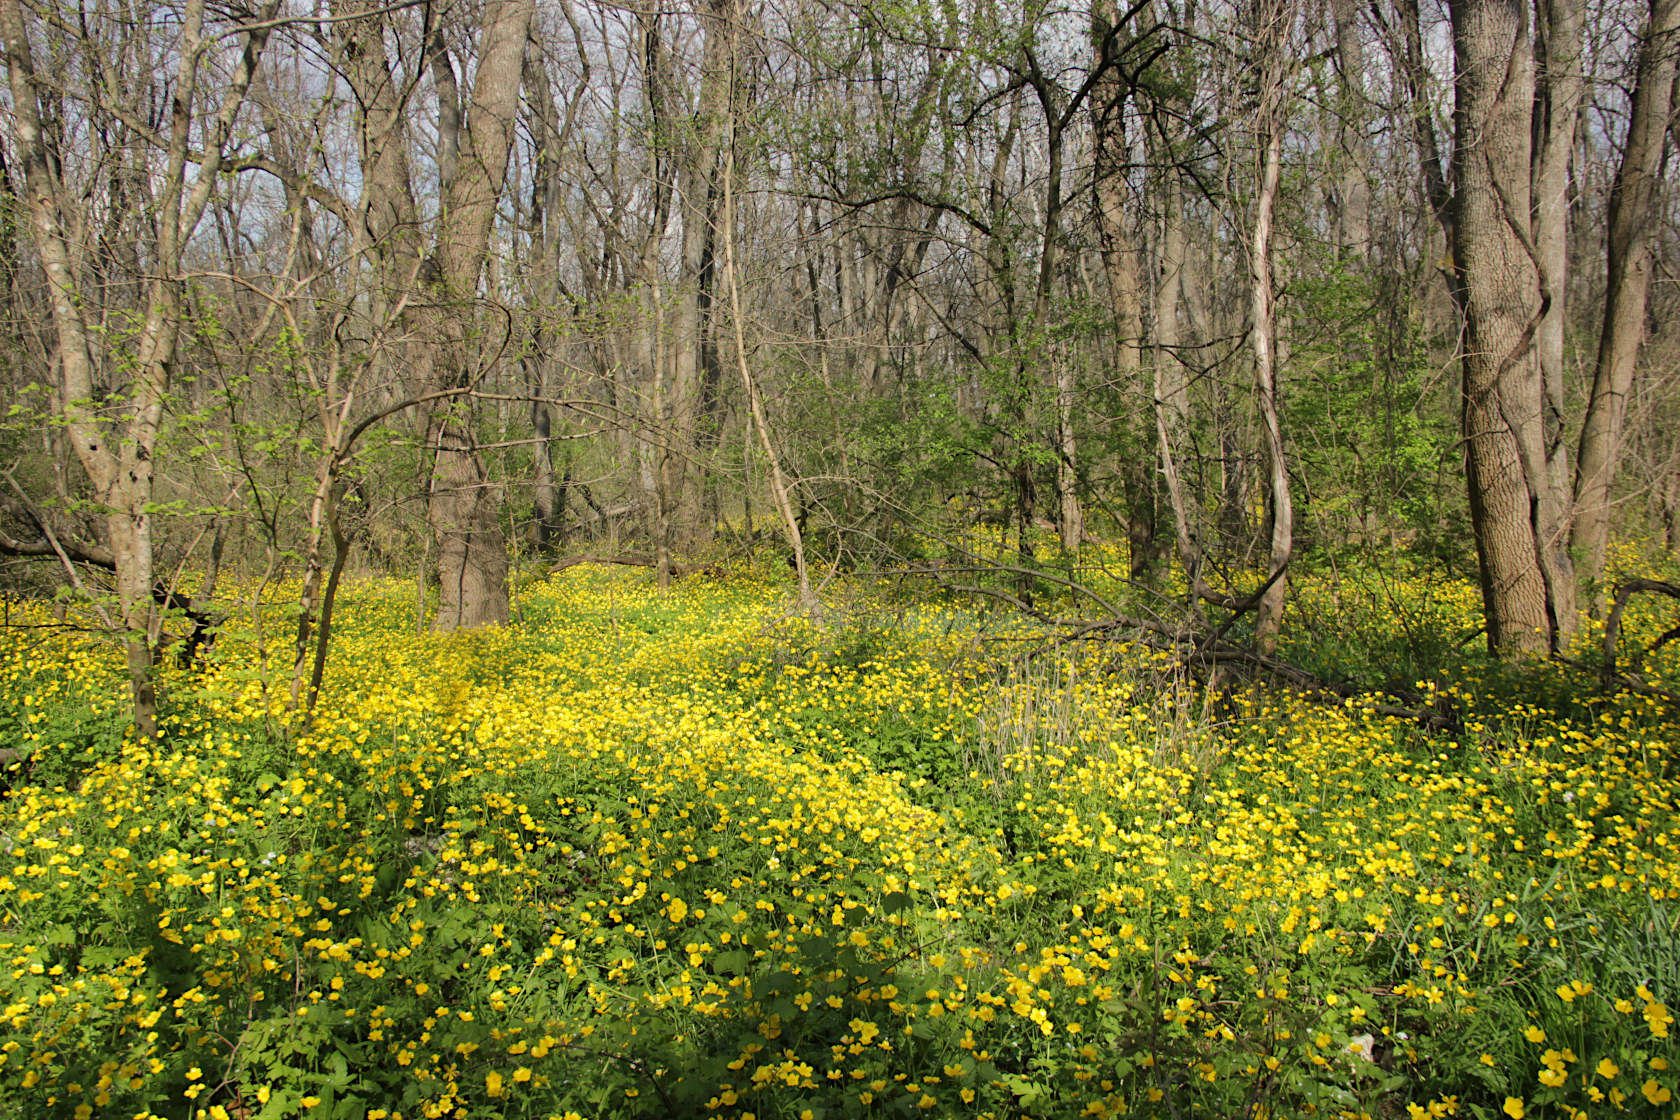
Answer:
(1499, 276)
(1632, 220)
(1558, 108)
(1119, 240)
(1263, 336)
(462, 505)
(472, 554)
(699, 144)
(1171, 384)
(779, 494)
(1353, 189)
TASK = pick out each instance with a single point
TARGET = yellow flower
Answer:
(493, 1083)
(1568, 992)
(1607, 1069)
(1658, 1018)
(1534, 1034)
(1514, 1108)
(678, 910)
(1655, 1093)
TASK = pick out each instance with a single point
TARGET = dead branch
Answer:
(1610, 676)
(1197, 650)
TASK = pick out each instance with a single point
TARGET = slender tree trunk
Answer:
(1171, 384)
(546, 489)
(1632, 221)
(1557, 109)
(119, 460)
(1263, 337)
(779, 492)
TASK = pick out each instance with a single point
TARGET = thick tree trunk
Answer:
(693, 356)
(1500, 280)
(463, 505)
(1632, 214)
(1121, 264)
(1120, 259)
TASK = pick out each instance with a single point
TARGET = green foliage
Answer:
(1369, 422)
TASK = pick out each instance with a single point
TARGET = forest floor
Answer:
(687, 854)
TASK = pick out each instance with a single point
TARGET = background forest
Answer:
(440, 285)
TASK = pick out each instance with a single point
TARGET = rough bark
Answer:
(472, 558)
(1119, 239)
(1170, 381)
(700, 143)
(1353, 189)
(1500, 280)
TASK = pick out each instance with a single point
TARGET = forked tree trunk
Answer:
(463, 506)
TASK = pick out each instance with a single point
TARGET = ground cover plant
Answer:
(684, 853)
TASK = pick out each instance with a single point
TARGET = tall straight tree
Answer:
(1557, 106)
(1497, 272)
(463, 506)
